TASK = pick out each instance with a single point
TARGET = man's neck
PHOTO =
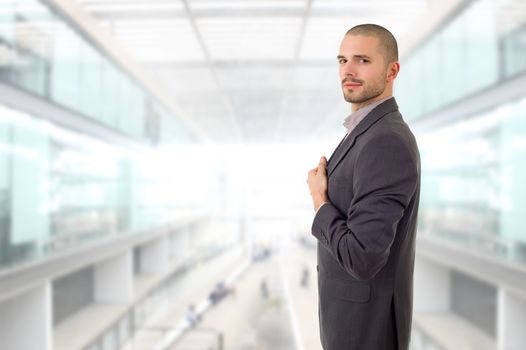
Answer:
(357, 106)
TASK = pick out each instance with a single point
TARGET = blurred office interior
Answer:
(153, 158)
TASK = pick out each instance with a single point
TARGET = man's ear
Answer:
(392, 71)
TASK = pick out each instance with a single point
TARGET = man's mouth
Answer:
(352, 84)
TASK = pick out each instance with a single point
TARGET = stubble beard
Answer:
(368, 93)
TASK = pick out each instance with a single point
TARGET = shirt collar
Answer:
(356, 117)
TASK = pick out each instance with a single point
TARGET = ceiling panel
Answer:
(249, 38)
(178, 80)
(143, 40)
(244, 4)
(249, 70)
(260, 78)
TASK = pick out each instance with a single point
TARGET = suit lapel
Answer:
(343, 148)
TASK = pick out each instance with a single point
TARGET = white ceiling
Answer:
(252, 70)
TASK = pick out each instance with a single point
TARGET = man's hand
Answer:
(317, 182)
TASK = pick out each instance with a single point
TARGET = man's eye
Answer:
(363, 60)
(342, 61)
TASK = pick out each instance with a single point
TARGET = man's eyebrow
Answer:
(362, 56)
(355, 56)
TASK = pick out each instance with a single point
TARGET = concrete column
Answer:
(25, 320)
(114, 279)
(511, 320)
(432, 284)
(155, 257)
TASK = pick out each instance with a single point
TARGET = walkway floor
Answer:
(286, 319)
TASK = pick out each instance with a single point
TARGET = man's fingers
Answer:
(311, 173)
(323, 164)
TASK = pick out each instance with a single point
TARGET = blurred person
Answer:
(366, 201)
(219, 292)
(192, 316)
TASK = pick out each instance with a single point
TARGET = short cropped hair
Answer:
(385, 37)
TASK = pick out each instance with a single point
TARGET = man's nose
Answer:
(349, 70)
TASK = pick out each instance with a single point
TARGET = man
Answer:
(366, 200)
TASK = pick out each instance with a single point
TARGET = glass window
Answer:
(137, 112)
(481, 61)
(59, 188)
(514, 45)
(110, 94)
(462, 58)
(29, 180)
(7, 20)
(430, 85)
(413, 76)
(5, 171)
(93, 174)
(7, 58)
(452, 61)
(40, 52)
(90, 81)
(125, 112)
(473, 187)
(513, 153)
(5, 148)
(130, 114)
(7, 48)
(65, 70)
(33, 37)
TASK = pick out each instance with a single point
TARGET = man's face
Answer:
(363, 70)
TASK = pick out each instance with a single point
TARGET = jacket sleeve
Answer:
(384, 182)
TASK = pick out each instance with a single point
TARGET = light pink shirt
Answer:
(356, 117)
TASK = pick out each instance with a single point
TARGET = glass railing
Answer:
(478, 47)
(41, 53)
(60, 189)
(473, 188)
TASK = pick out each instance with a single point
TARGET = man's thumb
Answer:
(323, 164)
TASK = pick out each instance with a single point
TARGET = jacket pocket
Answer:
(358, 292)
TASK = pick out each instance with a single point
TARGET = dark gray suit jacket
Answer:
(366, 236)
